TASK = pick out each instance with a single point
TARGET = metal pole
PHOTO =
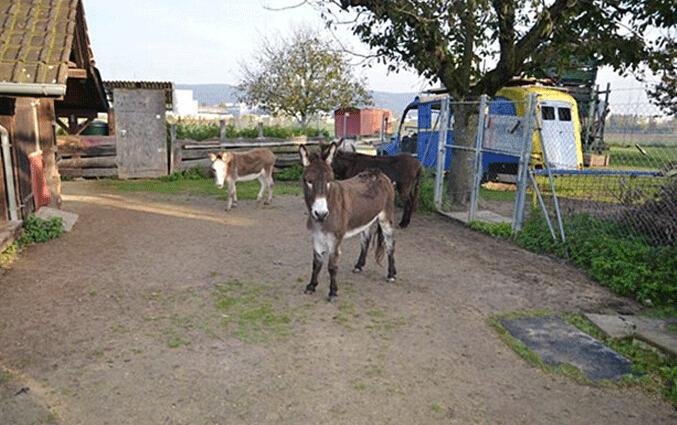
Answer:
(542, 204)
(552, 188)
(524, 163)
(441, 151)
(9, 177)
(477, 169)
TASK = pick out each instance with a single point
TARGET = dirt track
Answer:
(122, 322)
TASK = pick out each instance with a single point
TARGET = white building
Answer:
(184, 104)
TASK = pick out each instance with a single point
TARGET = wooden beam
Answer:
(78, 73)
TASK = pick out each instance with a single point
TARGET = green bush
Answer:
(499, 230)
(426, 194)
(37, 230)
(290, 174)
(628, 264)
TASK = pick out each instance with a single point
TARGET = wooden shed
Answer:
(47, 74)
(356, 122)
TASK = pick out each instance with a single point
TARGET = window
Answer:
(564, 114)
(548, 112)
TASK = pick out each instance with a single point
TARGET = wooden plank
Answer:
(92, 151)
(92, 162)
(89, 172)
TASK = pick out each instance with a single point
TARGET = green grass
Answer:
(5, 376)
(248, 312)
(631, 157)
(210, 130)
(651, 371)
(497, 230)
(200, 186)
(35, 230)
(9, 255)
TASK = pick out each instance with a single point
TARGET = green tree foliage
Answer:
(300, 77)
(475, 47)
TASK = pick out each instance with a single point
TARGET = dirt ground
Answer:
(161, 309)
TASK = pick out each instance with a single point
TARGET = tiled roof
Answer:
(36, 40)
(167, 86)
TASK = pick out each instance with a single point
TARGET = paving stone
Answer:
(557, 342)
(68, 218)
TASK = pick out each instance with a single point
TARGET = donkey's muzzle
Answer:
(320, 215)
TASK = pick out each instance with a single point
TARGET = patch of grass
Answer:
(662, 312)
(437, 408)
(5, 376)
(202, 187)
(248, 313)
(346, 314)
(360, 386)
(497, 230)
(426, 194)
(497, 195)
(9, 255)
(382, 323)
(175, 341)
(627, 264)
(653, 372)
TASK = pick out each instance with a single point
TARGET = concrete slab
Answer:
(557, 342)
(68, 218)
(652, 331)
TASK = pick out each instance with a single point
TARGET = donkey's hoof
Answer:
(308, 291)
(331, 298)
(357, 270)
(391, 279)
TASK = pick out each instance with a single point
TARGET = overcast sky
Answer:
(204, 41)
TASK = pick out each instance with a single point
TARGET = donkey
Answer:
(403, 170)
(342, 209)
(233, 167)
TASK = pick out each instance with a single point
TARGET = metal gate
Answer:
(141, 133)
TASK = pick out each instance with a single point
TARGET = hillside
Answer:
(214, 94)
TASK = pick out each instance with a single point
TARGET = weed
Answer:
(627, 265)
(5, 376)
(37, 230)
(437, 407)
(175, 341)
(290, 174)
(8, 256)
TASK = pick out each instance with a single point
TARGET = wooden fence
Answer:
(96, 156)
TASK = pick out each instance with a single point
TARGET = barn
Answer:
(364, 122)
(48, 78)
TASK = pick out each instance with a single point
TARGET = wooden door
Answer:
(141, 133)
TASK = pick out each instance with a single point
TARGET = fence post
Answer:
(477, 169)
(174, 151)
(524, 161)
(222, 130)
(441, 152)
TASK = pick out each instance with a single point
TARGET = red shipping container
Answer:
(354, 122)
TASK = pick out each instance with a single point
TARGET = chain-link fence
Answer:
(627, 184)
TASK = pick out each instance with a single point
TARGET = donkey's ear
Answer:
(330, 153)
(303, 153)
(212, 156)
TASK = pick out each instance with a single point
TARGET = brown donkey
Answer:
(231, 167)
(342, 209)
(403, 170)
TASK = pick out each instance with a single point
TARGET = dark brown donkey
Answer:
(403, 170)
(342, 209)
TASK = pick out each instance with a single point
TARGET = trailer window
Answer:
(548, 112)
(564, 114)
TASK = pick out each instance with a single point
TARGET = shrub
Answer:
(195, 173)
(290, 174)
(37, 230)
(426, 194)
(628, 264)
(206, 130)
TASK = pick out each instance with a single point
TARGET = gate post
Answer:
(441, 152)
(477, 169)
(524, 161)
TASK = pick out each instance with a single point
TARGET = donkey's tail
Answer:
(413, 195)
(411, 203)
(379, 249)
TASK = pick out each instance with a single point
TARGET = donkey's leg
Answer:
(405, 196)
(271, 183)
(365, 239)
(387, 229)
(231, 194)
(318, 260)
(333, 268)
(262, 180)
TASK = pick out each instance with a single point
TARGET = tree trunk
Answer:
(462, 163)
